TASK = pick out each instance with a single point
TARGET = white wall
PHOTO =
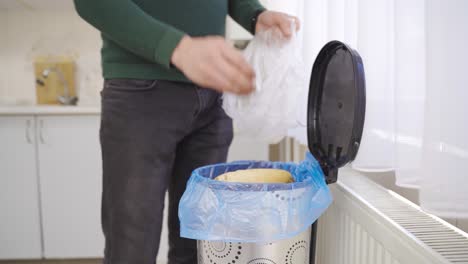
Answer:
(27, 32)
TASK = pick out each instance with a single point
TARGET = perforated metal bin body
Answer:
(290, 251)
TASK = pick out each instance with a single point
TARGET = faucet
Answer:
(66, 98)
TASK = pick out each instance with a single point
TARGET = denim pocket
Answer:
(129, 84)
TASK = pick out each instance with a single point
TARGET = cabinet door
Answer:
(20, 236)
(70, 174)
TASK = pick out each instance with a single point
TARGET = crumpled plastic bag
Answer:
(254, 212)
(272, 109)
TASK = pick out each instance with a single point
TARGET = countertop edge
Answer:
(49, 110)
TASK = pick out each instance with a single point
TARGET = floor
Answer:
(87, 261)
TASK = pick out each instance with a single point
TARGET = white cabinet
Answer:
(20, 236)
(50, 187)
(70, 172)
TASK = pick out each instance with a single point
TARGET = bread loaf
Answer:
(257, 176)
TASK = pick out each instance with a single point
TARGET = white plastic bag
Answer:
(272, 109)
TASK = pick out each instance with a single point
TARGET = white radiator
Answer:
(368, 224)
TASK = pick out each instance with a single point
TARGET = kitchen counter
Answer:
(48, 110)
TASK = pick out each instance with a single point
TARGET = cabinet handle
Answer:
(28, 131)
(41, 127)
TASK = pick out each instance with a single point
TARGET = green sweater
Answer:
(139, 36)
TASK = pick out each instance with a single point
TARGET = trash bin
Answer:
(289, 251)
(271, 223)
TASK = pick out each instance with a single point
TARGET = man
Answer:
(164, 64)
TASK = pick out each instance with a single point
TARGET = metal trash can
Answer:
(289, 251)
(336, 110)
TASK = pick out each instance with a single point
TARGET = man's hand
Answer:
(269, 19)
(212, 63)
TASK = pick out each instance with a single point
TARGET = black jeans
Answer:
(153, 134)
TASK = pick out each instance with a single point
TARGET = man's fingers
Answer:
(285, 25)
(215, 79)
(236, 58)
(239, 81)
(218, 82)
(228, 83)
(227, 77)
(297, 22)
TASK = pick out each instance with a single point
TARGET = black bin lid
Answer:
(336, 107)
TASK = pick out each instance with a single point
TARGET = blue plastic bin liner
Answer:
(253, 212)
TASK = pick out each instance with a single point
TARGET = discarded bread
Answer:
(257, 176)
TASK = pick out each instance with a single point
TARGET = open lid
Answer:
(336, 108)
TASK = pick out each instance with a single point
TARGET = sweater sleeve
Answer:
(242, 11)
(129, 26)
